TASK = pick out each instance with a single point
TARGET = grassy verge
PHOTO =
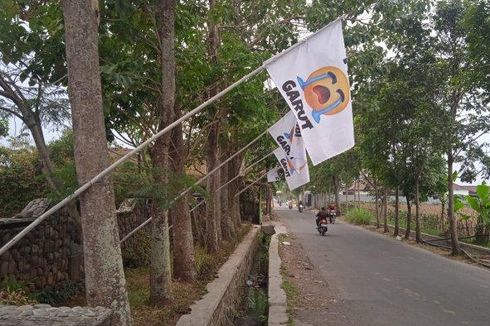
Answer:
(289, 288)
(184, 294)
(359, 216)
(138, 286)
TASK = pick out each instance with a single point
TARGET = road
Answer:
(382, 281)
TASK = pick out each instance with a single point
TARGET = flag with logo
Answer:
(273, 175)
(312, 78)
(287, 134)
(294, 179)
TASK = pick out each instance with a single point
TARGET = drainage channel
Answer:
(255, 305)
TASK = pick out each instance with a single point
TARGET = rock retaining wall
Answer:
(225, 294)
(51, 253)
(43, 257)
(45, 315)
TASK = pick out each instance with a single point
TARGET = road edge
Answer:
(277, 297)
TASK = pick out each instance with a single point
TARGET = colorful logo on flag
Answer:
(326, 91)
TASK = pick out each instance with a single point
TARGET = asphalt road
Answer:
(382, 281)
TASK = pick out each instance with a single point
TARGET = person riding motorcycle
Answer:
(332, 211)
(300, 206)
(321, 215)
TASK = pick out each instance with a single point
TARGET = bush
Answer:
(59, 293)
(137, 253)
(17, 297)
(13, 293)
(359, 216)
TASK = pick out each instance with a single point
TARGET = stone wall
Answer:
(45, 315)
(43, 257)
(51, 253)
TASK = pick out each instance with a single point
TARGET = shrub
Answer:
(59, 293)
(137, 253)
(13, 293)
(359, 216)
(17, 297)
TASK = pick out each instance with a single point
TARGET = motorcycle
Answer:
(322, 226)
(332, 214)
(290, 206)
(300, 208)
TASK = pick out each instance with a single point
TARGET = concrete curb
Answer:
(277, 297)
(226, 292)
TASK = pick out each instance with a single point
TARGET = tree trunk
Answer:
(409, 217)
(233, 188)
(47, 165)
(397, 210)
(453, 231)
(160, 265)
(34, 124)
(377, 208)
(183, 241)
(385, 211)
(336, 193)
(269, 201)
(443, 208)
(212, 153)
(418, 237)
(227, 228)
(213, 221)
(105, 284)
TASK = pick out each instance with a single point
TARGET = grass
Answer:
(291, 292)
(291, 297)
(184, 293)
(144, 313)
(359, 216)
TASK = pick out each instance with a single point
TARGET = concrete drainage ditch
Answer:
(248, 289)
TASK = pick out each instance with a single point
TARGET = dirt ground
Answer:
(310, 299)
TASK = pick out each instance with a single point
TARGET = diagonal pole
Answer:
(250, 185)
(120, 161)
(140, 147)
(248, 168)
(194, 208)
(183, 193)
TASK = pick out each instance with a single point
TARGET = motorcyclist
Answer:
(321, 215)
(300, 206)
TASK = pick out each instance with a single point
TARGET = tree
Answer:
(104, 274)
(160, 268)
(477, 27)
(465, 117)
(30, 74)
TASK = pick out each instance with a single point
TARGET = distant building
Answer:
(464, 190)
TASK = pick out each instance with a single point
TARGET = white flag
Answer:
(312, 77)
(273, 175)
(287, 134)
(294, 179)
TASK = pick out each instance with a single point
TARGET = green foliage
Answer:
(59, 293)
(4, 127)
(205, 264)
(477, 25)
(258, 304)
(131, 181)
(291, 292)
(480, 204)
(18, 297)
(138, 253)
(359, 216)
(14, 293)
(21, 179)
